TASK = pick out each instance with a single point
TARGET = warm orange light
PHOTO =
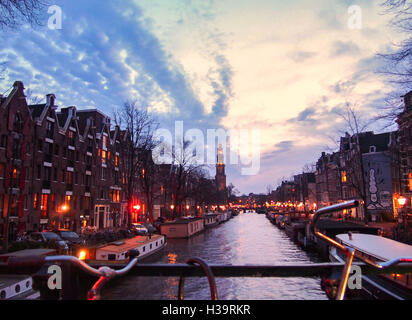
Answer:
(187, 207)
(172, 206)
(402, 201)
(82, 255)
(64, 208)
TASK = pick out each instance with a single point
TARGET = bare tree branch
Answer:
(13, 13)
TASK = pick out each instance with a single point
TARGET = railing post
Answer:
(345, 274)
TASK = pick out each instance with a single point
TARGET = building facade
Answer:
(405, 145)
(58, 169)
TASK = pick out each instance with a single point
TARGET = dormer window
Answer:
(372, 149)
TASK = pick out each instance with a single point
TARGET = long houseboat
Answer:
(182, 228)
(116, 253)
(211, 220)
(378, 249)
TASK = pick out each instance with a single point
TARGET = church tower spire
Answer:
(220, 170)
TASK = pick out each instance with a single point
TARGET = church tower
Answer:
(220, 170)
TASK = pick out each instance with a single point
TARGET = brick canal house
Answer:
(370, 180)
(16, 147)
(327, 177)
(58, 169)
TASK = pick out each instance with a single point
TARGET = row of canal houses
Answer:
(58, 169)
(379, 180)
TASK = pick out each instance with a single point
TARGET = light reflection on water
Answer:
(246, 239)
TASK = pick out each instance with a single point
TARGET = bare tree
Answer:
(269, 189)
(13, 13)
(31, 98)
(399, 63)
(203, 188)
(352, 168)
(232, 192)
(309, 167)
(148, 173)
(183, 173)
(397, 68)
(138, 126)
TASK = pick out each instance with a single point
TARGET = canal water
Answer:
(248, 238)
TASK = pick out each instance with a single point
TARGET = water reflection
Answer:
(246, 239)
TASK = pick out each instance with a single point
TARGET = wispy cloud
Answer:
(283, 67)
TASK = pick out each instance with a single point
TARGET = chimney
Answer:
(18, 85)
(50, 98)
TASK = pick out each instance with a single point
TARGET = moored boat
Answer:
(378, 249)
(182, 228)
(211, 220)
(20, 287)
(117, 253)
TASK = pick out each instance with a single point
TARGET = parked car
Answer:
(71, 237)
(150, 228)
(138, 228)
(47, 237)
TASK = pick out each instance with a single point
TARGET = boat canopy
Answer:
(382, 248)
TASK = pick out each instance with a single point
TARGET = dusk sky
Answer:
(283, 67)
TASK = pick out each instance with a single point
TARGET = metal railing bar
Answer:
(279, 271)
(333, 208)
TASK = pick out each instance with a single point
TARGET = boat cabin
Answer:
(182, 228)
(211, 220)
(379, 249)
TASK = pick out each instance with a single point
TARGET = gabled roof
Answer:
(36, 110)
(380, 141)
(61, 117)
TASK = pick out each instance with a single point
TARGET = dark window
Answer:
(49, 129)
(17, 125)
(3, 142)
(40, 145)
(48, 148)
(56, 150)
(47, 173)
(16, 148)
(38, 171)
